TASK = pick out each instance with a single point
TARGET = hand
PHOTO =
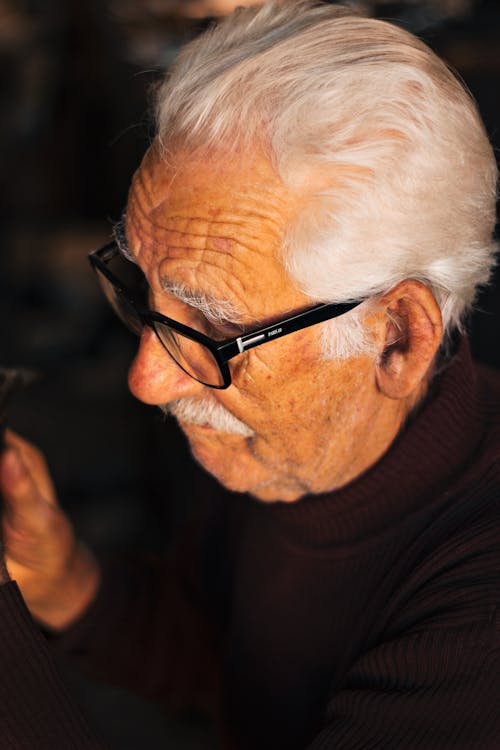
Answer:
(57, 576)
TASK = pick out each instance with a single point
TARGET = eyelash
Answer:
(222, 330)
(217, 330)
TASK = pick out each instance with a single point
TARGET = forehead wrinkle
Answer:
(181, 261)
(141, 207)
(236, 249)
(266, 198)
(223, 259)
(188, 228)
(188, 259)
(222, 251)
(227, 222)
(153, 221)
(176, 228)
(137, 222)
(144, 194)
(231, 242)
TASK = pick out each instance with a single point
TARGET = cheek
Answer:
(267, 391)
(270, 373)
(288, 394)
(307, 399)
(282, 404)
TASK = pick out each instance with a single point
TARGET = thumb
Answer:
(19, 491)
(27, 470)
(14, 477)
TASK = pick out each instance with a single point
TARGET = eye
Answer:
(210, 328)
(222, 330)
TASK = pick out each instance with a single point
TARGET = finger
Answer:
(34, 463)
(27, 514)
(22, 498)
(15, 480)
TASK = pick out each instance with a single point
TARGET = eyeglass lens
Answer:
(193, 357)
(120, 305)
(190, 355)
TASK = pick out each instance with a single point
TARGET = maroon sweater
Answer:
(362, 619)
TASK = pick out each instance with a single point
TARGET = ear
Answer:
(413, 332)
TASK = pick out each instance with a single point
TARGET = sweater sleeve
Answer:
(148, 631)
(436, 689)
(36, 710)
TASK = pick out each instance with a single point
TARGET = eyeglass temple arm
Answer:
(105, 253)
(317, 315)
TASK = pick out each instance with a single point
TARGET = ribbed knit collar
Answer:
(433, 449)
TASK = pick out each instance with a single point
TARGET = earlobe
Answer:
(413, 332)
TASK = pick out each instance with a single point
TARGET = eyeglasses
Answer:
(203, 358)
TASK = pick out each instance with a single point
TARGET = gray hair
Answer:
(410, 173)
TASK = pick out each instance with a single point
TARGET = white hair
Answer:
(409, 172)
(207, 413)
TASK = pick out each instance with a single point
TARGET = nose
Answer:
(154, 377)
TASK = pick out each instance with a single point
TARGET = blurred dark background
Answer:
(75, 80)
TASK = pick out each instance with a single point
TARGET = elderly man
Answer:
(302, 242)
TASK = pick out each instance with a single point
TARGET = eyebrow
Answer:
(120, 237)
(215, 310)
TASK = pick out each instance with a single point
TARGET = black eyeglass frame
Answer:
(225, 350)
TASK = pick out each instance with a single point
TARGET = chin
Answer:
(219, 467)
(232, 461)
(277, 492)
(221, 454)
(240, 472)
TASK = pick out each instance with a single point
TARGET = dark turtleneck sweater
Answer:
(361, 619)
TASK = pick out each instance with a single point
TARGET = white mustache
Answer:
(209, 413)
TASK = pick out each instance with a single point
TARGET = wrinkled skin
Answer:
(218, 228)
